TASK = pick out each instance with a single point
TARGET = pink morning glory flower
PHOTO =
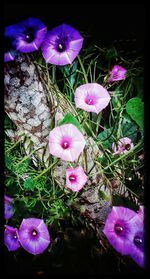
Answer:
(31, 34)
(91, 97)
(8, 208)
(119, 228)
(66, 142)
(122, 146)
(137, 242)
(11, 238)
(61, 45)
(34, 235)
(117, 73)
(75, 178)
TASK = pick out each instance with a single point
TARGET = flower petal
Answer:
(34, 244)
(98, 96)
(69, 38)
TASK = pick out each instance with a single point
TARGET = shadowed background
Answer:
(101, 23)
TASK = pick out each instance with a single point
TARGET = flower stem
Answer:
(83, 69)
(26, 157)
(12, 147)
(46, 170)
(98, 122)
(123, 156)
(40, 198)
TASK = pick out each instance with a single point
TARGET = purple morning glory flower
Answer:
(61, 45)
(33, 235)
(9, 43)
(117, 73)
(11, 238)
(119, 228)
(30, 35)
(8, 208)
(137, 242)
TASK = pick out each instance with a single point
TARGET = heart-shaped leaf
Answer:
(135, 108)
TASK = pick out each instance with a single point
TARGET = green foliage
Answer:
(29, 184)
(22, 167)
(102, 195)
(9, 164)
(129, 129)
(117, 100)
(69, 72)
(59, 210)
(8, 124)
(106, 137)
(135, 108)
(9, 180)
(70, 119)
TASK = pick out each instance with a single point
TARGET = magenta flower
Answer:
(117, 73)
(137, 242)
(8, 208)
(75, 178)
(11, 238)
(31, 34)
(122, 146)
(119, 228)
(66, 142)
(61, 45)
(34, 236)
(91, 97)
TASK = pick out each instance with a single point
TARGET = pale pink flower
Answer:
(91, 97)
(75, 178)
(117, 73)
(66, 142)
(122, 146)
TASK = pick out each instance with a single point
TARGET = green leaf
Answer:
(30, 204)
(22, 168)
(69, 118)
(9, 162)
(29, 184)
(73, 73)
(8, 124)
(116, 100)
(129, 129)
(106, 138)
(9, 181)
(103, 195)
(135, 108)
